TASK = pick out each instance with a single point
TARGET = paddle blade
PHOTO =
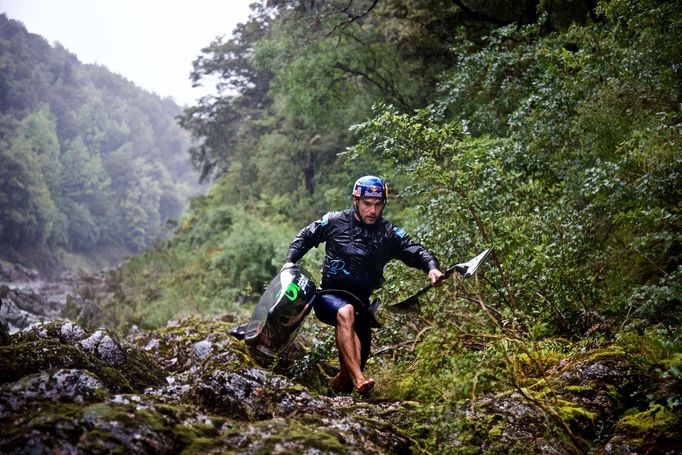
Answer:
(467, 269)
(407, 306)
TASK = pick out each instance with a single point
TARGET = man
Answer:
(358, 244)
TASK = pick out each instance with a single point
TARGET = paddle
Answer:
(466, 269)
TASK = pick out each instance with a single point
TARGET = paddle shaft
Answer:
(446, 274)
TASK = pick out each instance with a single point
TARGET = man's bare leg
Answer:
(349, 348)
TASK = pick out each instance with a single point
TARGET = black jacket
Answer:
(356, 253)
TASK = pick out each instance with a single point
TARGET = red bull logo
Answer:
(370, 187)
(374, 191)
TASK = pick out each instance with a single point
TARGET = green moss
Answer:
(141, 370)
(43, 417)
(570, 412)
(579, 389)
(98, 441)
(48, 342)
(495, 432)
(654, 419)
(200, 445)
(157, 421)
(196, 328)
(611, 353)
(177, 340)
(51, 329)
(540, 390)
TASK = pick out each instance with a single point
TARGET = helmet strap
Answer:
(356, 202)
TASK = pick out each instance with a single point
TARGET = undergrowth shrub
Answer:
(564, 150)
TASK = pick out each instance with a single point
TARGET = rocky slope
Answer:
(188, 387)
(191, 387)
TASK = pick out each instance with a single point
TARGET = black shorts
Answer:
(327, 304)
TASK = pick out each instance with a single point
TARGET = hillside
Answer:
(91, 166)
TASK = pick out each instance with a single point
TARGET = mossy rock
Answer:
(127, 427)
(197, 345)
(255, 394)
(62, 331)
(59, 385)
(62, 344)
(315, 434)
(564, 412)
(19, 360)
(655, 430)
(190, 342)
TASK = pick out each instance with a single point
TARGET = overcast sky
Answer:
(150, 42)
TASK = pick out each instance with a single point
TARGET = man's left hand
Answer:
(436, 277)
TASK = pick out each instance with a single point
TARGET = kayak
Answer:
(279, 314)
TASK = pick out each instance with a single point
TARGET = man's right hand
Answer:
(436, 277)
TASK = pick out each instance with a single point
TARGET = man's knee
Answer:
(346, 315)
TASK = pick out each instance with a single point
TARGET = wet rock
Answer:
(29, 302)
(315, 435)
(186, 344)
(595, 388)
(21, 309)
(65, 332)
(655, 430)
(254, 394)
(514, 421)
(64, 389)
(59, 344)
(174, 393)
(19, 360)
(70, 332)
(214, 397)
(62, 385)
(105, 347)
(202, 349)
(134, 427)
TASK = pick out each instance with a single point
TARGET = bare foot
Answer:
(365, 386)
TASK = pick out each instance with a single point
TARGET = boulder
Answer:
(256, 394)
(62, 344)
(61, 385)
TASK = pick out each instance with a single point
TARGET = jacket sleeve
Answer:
(413, 254)
(310, 236)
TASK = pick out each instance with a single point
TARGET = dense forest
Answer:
(91, 166)
(549, 129)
